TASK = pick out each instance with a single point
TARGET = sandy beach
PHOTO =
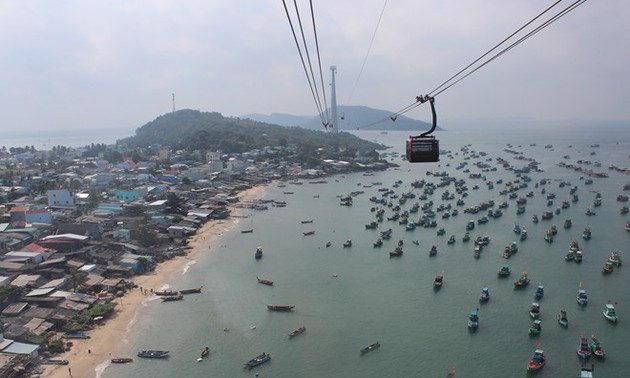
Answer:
(89, 357)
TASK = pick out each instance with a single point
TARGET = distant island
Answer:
(350, 118)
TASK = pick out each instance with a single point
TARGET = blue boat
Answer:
(258, 360)
(540, 292)
(582, 299)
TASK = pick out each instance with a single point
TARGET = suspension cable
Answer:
(356, 82)
(319, 61)
(312, 85)
(435, 92)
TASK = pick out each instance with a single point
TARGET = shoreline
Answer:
(89, 358)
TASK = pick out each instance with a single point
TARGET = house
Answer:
(61, 198)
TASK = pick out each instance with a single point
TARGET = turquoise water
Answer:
(349, 298)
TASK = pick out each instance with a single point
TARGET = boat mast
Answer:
(334, 127)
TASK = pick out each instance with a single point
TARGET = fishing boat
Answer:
(485, 295)
(347, 243)
(582, 298)
(171, 298)
(517, 229)
(562, 319)
(540, 292)
(264, 282)
(523, 235)
(76, 335)
(466, 237)
(627, 226)
(536, 328)
(433, 251)
(378, 243)
(121, 360)
(451, 240)
(298, 331)
(537, 361)
(567, 223)
(608, 268)
(397, 252)
(259, 253)
(596, 348)
(166, 293)
(205, 352)
(371, 347)
(586, 372)
(504, 271)
(584, 350)
(522, 281)
(258, 360)
(610, 314)
(535, 218)
(586, 234)
(507, 253)
(615, 258)
(534, 310)
(49, 361)
(191, 291)
(371, 226)
(328, 244)
(307, 233)
(438, 281)
(473, 319)
(513, 247)
(248, 231)
(153, 353)
(306, 221)
(280, 307)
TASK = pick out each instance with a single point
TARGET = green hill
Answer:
(195, 130)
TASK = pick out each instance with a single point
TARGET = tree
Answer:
(147, 236)
(76, 278)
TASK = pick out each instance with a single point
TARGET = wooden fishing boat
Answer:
(485, 295)
(153, 353)
(205, 352)
(540, 291)
(584, 350)
(537, 361)
(307, 233)
(596, 348)
(258, 360)
(280, 307)
(433, 251)
(259, 253)
(76, 335)
(121, 360)
(522, 281)
(582, 298)
(610, 314)
(166, 293)
(562, 319)
(264, 282)
(171, 298)
(191, 291)
(347, 243)
(397, 252)
(504, 271)
(438, 281)
(371, 347)
(473, 320)
(534, 310)
(536, 328)
(298, 331)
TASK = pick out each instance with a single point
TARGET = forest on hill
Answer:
(196, 130)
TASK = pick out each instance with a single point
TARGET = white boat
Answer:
(610, 314)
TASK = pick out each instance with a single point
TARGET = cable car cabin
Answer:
(423, 149)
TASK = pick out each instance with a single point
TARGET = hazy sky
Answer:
(88, 64)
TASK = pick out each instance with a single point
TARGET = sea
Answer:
(348, 298)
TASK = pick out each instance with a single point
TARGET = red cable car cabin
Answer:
(424, 148)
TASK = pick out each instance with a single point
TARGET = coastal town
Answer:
(80, 225)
